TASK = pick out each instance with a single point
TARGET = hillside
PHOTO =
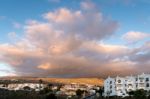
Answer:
(92, 81)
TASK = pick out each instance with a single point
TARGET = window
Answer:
(136, 79)
(110, 91)
(141, 85)
(110, 82)
(130, 84)
(110, 86)
(147, 85)
(147, 79)
(119, 81)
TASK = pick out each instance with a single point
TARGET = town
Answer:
(128, 87)
(45, 90)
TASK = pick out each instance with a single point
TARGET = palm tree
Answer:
(40, 82)
(101, 91)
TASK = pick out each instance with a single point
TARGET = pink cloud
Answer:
(66, 44)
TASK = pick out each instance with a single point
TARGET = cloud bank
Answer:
(67, 44)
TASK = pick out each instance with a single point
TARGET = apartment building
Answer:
(120, 86)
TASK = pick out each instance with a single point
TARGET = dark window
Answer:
(147, 85)
(110, 86)
(130, 84)
(136, 79)
(110, 91)
(119, 81)
(147, 79)
(110, 82)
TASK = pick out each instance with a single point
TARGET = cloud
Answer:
(88, 5)
(66, 44)
(143, 55)
(45, 66)
(84, 24)
(134, 37)
(59, 46)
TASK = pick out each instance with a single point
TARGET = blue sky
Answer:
(130, 15)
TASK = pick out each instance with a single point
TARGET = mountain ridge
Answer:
(92, 81)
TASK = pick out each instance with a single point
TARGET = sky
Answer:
(74, 38)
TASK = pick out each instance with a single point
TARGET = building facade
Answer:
(121, 86)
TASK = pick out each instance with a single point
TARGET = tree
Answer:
(79, 93)
(148, 94)
(140, 94)
(51, 96)
(45, 91)
(40, 82)
(101, 91)
(131, 93)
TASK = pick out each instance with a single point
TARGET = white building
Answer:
(21, 86)
(120, 86)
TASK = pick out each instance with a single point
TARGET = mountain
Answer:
(92, 81)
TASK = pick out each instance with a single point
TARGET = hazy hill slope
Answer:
(93, 81)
